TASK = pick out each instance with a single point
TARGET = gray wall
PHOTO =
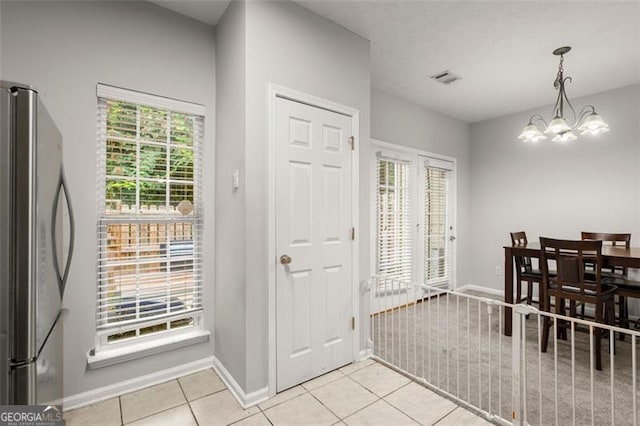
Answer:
(288, 45)
(401, 122)
(64, 49)
(230, 306)
(551, 189)
(293, 47)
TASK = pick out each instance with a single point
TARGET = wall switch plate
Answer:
(235, 181)
(498, 270)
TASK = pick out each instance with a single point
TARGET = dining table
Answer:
(611, 256)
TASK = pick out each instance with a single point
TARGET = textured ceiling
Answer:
(501, 49)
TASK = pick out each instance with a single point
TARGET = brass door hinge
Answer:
(353, 323)
(353, 234)
(352, 142)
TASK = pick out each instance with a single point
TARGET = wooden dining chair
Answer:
(574, 283)
(525, 271)
(615, 240)
(616, 275)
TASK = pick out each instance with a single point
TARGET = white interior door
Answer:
(314, 307)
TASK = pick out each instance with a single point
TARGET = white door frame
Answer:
(276, 91)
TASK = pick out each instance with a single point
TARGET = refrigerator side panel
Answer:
(23, 237)
(5, 154)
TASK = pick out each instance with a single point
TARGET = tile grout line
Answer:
(378, 398)
(265, 414)
(207, 395)
(321, 403)
(120, 407)
(447, 415)
(305, 390)
(398, 409)
(159, 412)
(188, 403)
(150, 415)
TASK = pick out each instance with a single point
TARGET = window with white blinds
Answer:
(437, 259)
(150, 215)
(393, 218)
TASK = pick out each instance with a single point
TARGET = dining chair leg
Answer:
(598, 336)
(546, 306)
(561, 328)
(529, 292)
(545, 333)
(623, 313)
(519, 291)
(611, 308)
(572, 308)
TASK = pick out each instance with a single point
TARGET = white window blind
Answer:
(149, 215)
(393, 216)
(437, 256)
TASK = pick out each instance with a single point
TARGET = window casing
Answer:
(150, 217)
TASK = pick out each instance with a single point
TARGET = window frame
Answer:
(195, 331)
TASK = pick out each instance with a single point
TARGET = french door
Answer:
(414, 217)
(436, 239)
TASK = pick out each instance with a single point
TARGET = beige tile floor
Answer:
(365, 393)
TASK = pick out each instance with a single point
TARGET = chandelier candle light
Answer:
(588, 122)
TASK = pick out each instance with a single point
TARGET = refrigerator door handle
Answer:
(62, 278)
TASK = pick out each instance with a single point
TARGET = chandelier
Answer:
(588, 122)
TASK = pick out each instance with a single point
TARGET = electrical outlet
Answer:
(498, 270)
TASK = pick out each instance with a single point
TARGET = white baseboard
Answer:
(473, 287)
(132, 385)
(245, 400)
(365, 354)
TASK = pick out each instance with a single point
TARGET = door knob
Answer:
(285, 259)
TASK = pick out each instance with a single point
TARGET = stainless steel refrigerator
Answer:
(33, 267)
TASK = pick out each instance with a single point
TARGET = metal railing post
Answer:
(517, 367)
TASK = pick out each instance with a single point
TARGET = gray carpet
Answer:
(453, 343)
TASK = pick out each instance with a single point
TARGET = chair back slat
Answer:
(571, 258)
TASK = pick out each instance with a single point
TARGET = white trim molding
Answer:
(480, 288)
(137, 383)
(107, 357)
(245, 400)
(133, 96)
(365, 353)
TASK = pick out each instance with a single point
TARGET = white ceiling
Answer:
(207, 11)
(501, 49)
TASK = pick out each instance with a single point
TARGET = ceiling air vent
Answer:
(446, 77)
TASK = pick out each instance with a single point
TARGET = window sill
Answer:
(107, 357)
